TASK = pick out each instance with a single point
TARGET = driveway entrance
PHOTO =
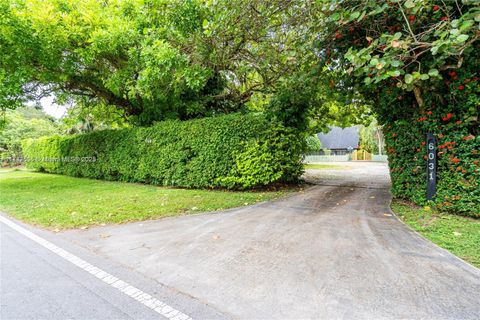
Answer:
(333, 251)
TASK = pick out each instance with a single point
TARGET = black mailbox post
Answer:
(431, 166)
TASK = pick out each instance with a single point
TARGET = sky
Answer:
(51, 108)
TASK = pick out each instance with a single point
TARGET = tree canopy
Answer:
(157, 59)
(152, 59)
(402, 51)
(23, 123)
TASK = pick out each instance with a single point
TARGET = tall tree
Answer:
(152, 59)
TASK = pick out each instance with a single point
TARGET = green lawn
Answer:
(323, 166)
(459, 235)
(56, 201)
(8, 169)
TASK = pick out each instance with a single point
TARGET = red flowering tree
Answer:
(416, 62)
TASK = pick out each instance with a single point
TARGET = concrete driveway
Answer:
(334, 251)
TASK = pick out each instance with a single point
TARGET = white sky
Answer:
(52, 108)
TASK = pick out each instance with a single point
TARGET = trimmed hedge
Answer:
(458, 170)
(453, 118)
(232, 151)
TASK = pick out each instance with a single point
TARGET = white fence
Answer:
(324, 158)
(379, 158)
(312, 158)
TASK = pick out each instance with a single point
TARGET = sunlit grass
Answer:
(460, 235)
(57, 201)
(321, 166)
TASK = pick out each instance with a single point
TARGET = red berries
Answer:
(452, 73)
(443, 18)
(412, 19)
(435, 8)
(459, 122)
(461, 87)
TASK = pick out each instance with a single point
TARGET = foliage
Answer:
(383, 43)
(83, 117)
(152, 60)
(416, 62)
(19, 124)
(233, 151)
(313, 143)
(459, 235)
(371, 138)
(458, 160)
(66, 202)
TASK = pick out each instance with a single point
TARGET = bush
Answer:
(313, 143)
(457, 168)
(232, 151)
(456, 128)
(19, 124)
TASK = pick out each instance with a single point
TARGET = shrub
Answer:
(19, 124)
(232, 151)
(313, 143)
(455, 126)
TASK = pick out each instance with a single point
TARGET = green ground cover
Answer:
(320, 166)
(460, 235)
(56, 201)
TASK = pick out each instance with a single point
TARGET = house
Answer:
(340, 140)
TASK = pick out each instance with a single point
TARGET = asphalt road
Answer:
(335, 251)
(36, 283)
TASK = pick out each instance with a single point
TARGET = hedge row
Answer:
(458, 185)
(231, 151)
(457, 131)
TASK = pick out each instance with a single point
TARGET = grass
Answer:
(8, 169)
(61, 202)
(460, 235)
(323, 166)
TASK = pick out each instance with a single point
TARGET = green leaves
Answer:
(154, 60)
(433, 73)
(233, 151)
(355, 15)
(408, 78)
(409, 4)
(416, 63)
(462, 38)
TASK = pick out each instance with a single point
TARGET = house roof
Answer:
(338, 138)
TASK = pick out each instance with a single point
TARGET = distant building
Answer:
(340, 141)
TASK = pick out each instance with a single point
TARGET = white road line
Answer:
(136, 294)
